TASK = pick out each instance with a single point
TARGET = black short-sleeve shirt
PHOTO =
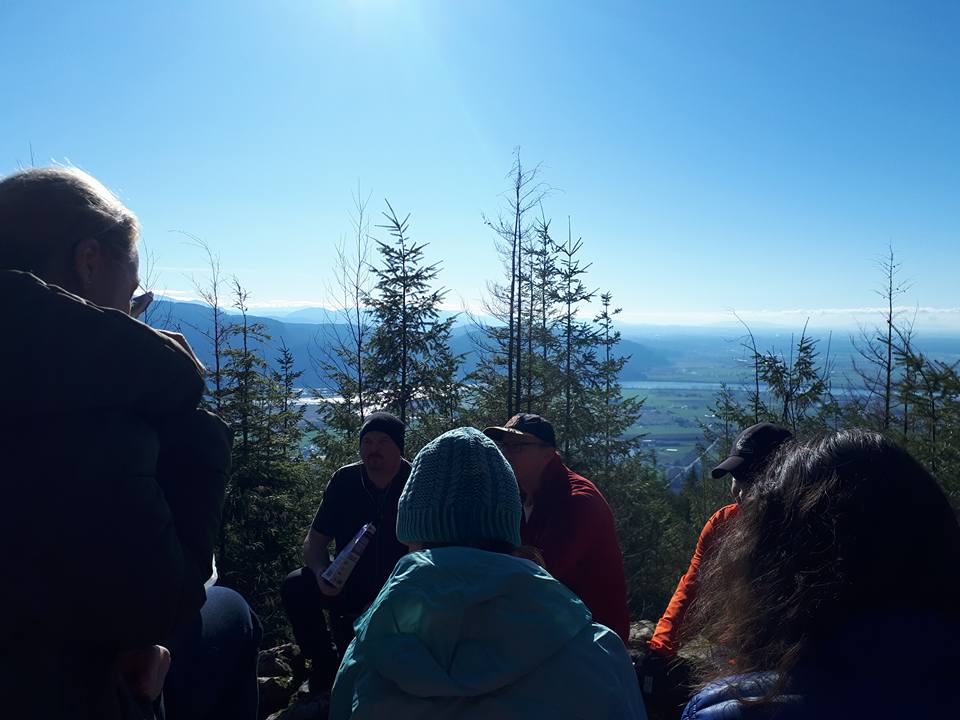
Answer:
(350, 501)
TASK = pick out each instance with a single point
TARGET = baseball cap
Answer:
(752, 448)
(524, 424)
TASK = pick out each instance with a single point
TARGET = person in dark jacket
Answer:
(357, 494)
(112, 476)
(567, 518)
(836, 590)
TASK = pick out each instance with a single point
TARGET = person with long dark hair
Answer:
(836, 591)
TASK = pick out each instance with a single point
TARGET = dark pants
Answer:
(213, 668)
(665, 684)
(324, 644)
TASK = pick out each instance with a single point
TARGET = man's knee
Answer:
(228, 608)
(298, 588)
(290, 587)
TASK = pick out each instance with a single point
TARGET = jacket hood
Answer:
(460, 622)
(72, 356)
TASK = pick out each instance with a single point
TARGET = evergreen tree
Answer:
(652, 534)
(612, 415)
(285, 429)
(728, 417)
(271, 492)
(576, 353)
(543, 301)
(877, 350)
(489, 384)
(796, 385)
(932, 389)
(245, 372)
(507, 304)
(411, 370)
(791, 389)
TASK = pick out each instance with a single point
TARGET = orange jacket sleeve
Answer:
(665, 638)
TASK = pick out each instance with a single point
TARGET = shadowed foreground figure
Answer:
(112, 479)
(463, 628)
(836, 589)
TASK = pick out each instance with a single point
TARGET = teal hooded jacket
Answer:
(463, 633)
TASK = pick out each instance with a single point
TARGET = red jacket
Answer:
(665, 638)
(572, 526)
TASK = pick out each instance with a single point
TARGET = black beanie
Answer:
(386, 423)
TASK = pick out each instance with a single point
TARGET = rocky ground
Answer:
(282, 676)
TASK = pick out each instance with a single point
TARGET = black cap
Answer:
(386, 423)
(524, 424)
(752, 448)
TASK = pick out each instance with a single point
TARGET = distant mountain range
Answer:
(308, 334)
(315, 315)
(655, 353)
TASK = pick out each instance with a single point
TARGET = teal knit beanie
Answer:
(460, 490)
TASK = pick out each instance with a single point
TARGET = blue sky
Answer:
(713, 155)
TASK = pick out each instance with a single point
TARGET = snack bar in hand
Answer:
(340, 569)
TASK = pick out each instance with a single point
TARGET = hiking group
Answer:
(483, 580)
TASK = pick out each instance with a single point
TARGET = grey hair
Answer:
(44, 212)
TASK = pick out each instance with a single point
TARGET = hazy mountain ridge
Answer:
(309, 340)
(689, 354)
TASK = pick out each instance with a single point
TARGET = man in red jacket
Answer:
(567, 519)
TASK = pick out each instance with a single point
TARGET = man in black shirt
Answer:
(367, 491)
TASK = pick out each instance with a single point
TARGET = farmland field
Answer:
(671, 422)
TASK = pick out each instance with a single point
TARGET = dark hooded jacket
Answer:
(112, 482)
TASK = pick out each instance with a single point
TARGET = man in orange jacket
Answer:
(751, 451)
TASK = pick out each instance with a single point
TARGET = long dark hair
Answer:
(840, 527)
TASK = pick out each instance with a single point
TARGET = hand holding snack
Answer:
(336, 575)
(326, 588)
